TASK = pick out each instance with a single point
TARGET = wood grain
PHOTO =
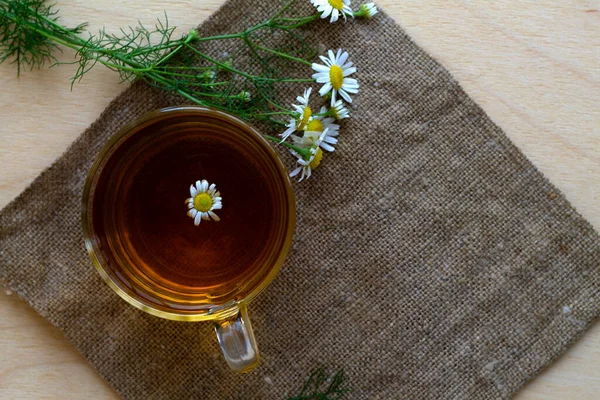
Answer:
(532, 65)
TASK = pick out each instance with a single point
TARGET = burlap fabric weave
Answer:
(431, 259)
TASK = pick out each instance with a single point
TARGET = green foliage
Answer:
(30, 32)
(320, 386)
(26, 46)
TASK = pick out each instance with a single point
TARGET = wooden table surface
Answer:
(534, 66)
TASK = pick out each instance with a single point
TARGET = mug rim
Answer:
(217, 312)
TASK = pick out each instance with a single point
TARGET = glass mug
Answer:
(151, 253)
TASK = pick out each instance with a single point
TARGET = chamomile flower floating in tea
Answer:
(303, 112)
(334, 74)
(205, 198)
(335, 8)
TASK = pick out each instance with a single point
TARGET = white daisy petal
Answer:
(326, 61)
(345, 96)
(205, 216)
(204, 185)
(212, 187)
(350, 89)
(320, 68)
(192, 213)
(190, 200)
(193, 191)
(325, 89)
(341, 59)
(214, 216)
(327, 147)
(197, 219)
(190, 205)
(198, 186)
(217, 206)
(349, 71)
(335, 14)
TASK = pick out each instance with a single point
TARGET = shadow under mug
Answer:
(205, 142)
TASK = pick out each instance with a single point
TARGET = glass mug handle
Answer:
(237, 341)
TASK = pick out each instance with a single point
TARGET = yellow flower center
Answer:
(336, 76)
(337, 4)
(317, 160)
(203, 202)
(315, 126)
(303, 120)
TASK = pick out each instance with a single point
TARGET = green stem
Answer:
(302, 152)
(283, 55)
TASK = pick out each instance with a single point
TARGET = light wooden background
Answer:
(534, 66)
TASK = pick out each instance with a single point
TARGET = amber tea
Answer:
(138, 216)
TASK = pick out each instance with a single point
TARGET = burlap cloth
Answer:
(431, 258)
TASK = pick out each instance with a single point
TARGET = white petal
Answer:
(214, 216)
(218, 194)
(326, 60)
(320, 68)
(193, 191)
(217, 206)
(197, 219)
(350, 89)
(330, 140)
(321, 79)
(295, 172)
(345, 95)
(326, 147)
(287, 133)
(190, 205)
(320, 75)
(217, 199)
(204, 185)
(331, 56)
(212, 187)
(349, 71)
(198, 186)
(190, 200)
(342, 58)
(326, 88)
(325, 11)
(335, 14)
(192, 213)
(333, 96)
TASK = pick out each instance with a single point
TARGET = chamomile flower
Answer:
(367, 10)
(338, 111)
(304, 115)
(333, 8)
(204, 200)
(320, 129)
(306, 166)
(334, 74)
